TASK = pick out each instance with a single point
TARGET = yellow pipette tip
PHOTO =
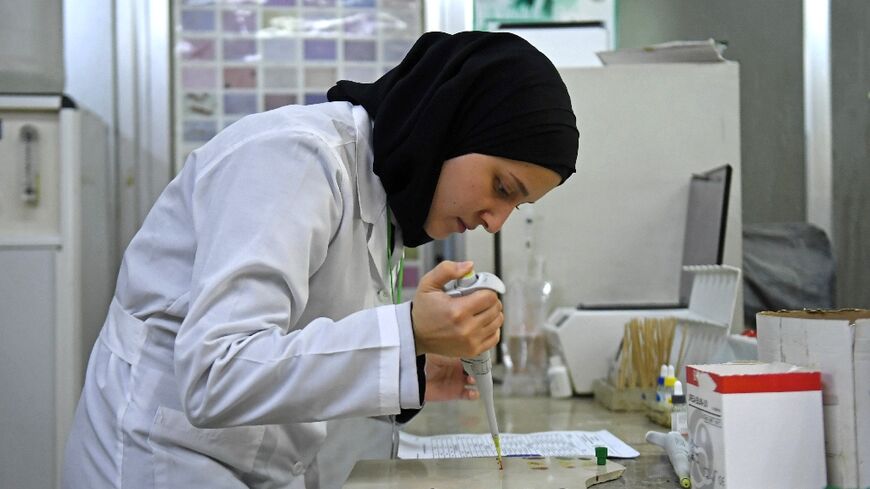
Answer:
(495, 439)
(686, 482)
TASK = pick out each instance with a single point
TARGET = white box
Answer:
(755, 425)
(838, 344)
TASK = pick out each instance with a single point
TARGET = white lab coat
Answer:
(249, 309)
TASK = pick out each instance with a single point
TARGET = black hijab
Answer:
(472, 92)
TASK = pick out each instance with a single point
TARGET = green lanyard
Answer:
(395, 285)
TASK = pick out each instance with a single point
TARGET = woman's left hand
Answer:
(446, 380)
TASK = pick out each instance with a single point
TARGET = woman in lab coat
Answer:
(259, 299)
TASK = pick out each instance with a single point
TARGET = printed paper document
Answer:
(548, 444)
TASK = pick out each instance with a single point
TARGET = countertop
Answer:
(650, 470)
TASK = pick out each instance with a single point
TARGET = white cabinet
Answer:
(31, 46)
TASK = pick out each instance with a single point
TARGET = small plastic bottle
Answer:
(679, 415)
(670, 380)
(660, 385)
(557, 377)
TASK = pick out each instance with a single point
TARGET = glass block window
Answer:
(238, 57)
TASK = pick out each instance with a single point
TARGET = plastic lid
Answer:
(468, 279)
(663, 372)
(670, 381)
(678, 397)
(670, 370)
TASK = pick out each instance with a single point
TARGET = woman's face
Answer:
(480, 190)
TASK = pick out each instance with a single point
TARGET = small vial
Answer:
(600, 455)
(660, 385)
(557, 377)
(670, 379)
(679, 415)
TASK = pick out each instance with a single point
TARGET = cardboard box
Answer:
(755, 425)
(838, 344)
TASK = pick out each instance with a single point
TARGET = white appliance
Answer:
(56, 275)
(567, 44)
(588, 340)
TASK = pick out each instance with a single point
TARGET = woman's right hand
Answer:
(454, 326)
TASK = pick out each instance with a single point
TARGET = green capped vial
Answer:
(601, 455)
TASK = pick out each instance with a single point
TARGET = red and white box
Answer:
(755, 425)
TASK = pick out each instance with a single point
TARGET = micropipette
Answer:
(678, 452)
(480, 366)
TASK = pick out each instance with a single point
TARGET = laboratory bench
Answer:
(651, 470)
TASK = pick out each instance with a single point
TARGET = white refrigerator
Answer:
(57, 252)
(56, 275)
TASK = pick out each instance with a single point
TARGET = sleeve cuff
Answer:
(412, 380)
(407, 414)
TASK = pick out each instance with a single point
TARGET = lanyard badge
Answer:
(395, 278)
